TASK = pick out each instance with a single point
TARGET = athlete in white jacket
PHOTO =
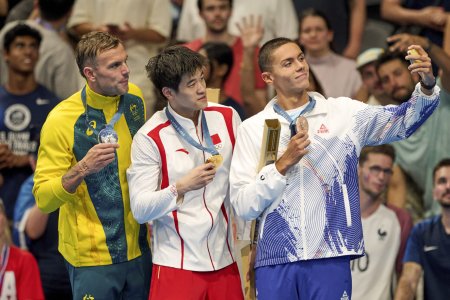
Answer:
(172, 184)
(308, 199)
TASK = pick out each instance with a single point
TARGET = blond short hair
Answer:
(91, 45)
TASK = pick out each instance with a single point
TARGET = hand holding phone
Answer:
(413, 52)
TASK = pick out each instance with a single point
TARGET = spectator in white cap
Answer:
(374, 93)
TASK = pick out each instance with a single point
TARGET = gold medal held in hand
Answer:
(216, 160)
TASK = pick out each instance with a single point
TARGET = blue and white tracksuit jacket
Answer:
(313, 212)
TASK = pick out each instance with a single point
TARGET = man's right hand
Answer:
(196, 179)
(95, 160)
(98, 157)
(296, 149)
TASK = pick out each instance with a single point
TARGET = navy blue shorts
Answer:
(327, 279)
(127, 280)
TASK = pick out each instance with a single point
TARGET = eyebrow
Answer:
(292, 58)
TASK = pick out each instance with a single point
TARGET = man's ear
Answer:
(89, 73)
(267, 77)
(167, 92)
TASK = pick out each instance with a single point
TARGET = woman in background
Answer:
(337, 75)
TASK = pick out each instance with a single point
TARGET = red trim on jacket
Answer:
(155, 135)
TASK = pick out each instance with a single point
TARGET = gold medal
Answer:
(216, 160)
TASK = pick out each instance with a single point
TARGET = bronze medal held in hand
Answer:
(216, 160)
(302, 124)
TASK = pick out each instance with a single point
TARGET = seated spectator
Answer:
(220, 63)
(38, 232)
(25, 105)
(428, 248)
(216, 14)
(337, 74)
(56, 68)
(365, 63)
(20, 272)
(347, 18)
(373, 275)
(283, 23)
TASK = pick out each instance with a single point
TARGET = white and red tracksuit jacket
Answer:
(195, 235)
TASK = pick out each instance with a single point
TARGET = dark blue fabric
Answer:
(318, 279)
(21, 120)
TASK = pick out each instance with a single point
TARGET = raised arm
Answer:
(251, 31)
(431, 16)
(385, 124)
(438, 55)
(356, 30)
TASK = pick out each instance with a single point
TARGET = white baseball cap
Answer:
(368, 56)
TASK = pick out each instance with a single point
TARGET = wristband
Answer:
(427, 87)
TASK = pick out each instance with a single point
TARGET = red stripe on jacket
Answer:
(155, 136)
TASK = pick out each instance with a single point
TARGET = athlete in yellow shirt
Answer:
(82, 160)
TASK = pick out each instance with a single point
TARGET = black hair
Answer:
(221, 53)
(443, 163)
(54, 9)
(311, 12)
(200, 4)
(266, 51)
(20, 29)
(168, 67)
(388, 56)
(386, 149)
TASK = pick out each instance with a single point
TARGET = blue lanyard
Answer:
(183, 133)
(114, 119)
(277, 108)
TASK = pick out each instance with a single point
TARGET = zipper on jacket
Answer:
(204, 203)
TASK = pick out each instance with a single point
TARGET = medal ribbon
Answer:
(183, 133)
(114, 119)
(277, 108)
(4, 262)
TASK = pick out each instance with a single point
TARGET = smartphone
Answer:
(413, 52)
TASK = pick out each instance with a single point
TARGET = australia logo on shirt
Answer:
(92, 124)
(134, 111)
